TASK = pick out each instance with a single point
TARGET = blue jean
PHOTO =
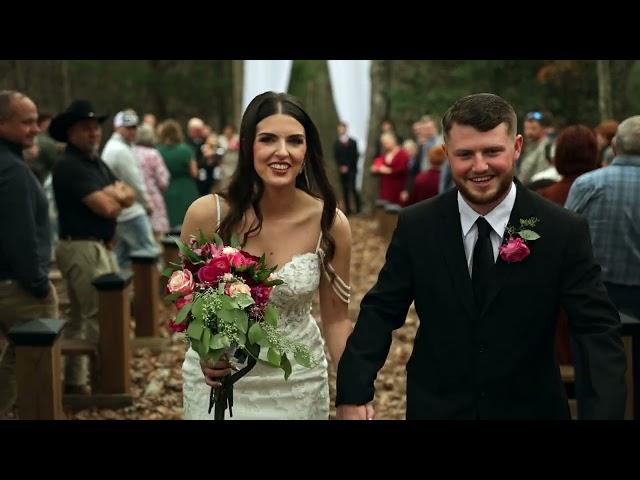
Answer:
(134, 237)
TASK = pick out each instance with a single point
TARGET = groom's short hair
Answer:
(482, 111)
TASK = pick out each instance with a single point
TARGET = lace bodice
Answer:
(293, 299)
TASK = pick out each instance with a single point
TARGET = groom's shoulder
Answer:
(426, 209)
(556, 215)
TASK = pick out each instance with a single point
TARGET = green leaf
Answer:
(213, 355)
(271, 315)
(171, 297)
(218, 241)
(220, 340)
(263, 261)
(257, 335)
(197, 309)
(273, 283)
(186, 251)
(243, 300)
(242, 340)
(286, 366)
(206, 339)
(167, 272)
(241, 320)
(235, 241)
(303, 358)
(262, 276)
(194, 330)
(226, 316)
(529, 235)
(227, 303)
(274, 357)
(183, 312)
(203, 237)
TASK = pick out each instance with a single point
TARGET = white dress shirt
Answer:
(497, 218)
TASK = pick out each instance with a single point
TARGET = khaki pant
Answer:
(80, 262)
(17, 306)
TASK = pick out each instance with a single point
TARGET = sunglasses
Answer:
(534, 116)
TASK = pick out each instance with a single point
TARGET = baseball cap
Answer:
(126, 118)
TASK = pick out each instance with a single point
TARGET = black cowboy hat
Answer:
(78, 110)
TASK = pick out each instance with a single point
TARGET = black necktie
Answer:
(482, 261)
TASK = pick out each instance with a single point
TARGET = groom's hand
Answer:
(213, 373)
(355, 412)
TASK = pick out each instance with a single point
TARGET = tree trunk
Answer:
(66, 86)
(379, 106)
(605, 103)
(18, 71)
(620, 76)
(155, 86)
(237, 79)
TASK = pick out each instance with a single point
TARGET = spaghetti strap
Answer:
(217, 210)
(319, 240)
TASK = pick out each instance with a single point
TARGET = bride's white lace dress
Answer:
(263, 393)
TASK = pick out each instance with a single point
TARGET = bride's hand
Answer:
(213, 373)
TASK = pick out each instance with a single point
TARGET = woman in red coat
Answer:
(426, 182)
(392, 167)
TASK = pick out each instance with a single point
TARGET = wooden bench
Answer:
(146, 300)
(113, 383)
(390, 220)
(379, 215)
(38, 369)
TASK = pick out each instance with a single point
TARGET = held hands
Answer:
(355, 412)
(213, 373)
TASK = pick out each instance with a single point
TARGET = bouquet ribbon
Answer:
(222, 397)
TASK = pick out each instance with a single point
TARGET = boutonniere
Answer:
(515, 248)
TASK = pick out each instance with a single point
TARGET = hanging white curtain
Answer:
(263, 75)
(351, 86)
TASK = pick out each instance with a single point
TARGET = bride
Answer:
(281, 204)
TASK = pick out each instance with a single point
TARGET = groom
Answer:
(487, 309)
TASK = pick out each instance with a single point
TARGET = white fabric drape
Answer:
(263, 75)
(351, 87)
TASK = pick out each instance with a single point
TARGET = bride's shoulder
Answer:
(203, 206)
(202, 214)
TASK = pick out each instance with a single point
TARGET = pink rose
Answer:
(181, 281)
(177, 327)
(240, 260)
(515, 250)
(233, 289)
(182, 301)
(217, 267)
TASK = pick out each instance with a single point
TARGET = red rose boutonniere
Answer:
(515, 248)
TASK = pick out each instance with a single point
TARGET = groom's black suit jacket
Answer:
(497, 361)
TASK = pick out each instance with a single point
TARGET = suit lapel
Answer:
(450, 237)
(522, 208)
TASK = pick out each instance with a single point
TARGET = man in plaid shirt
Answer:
(609, 198)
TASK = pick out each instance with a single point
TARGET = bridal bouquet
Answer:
(221, 294)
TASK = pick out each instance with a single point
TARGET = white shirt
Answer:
(124, 164)
(497, 218)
